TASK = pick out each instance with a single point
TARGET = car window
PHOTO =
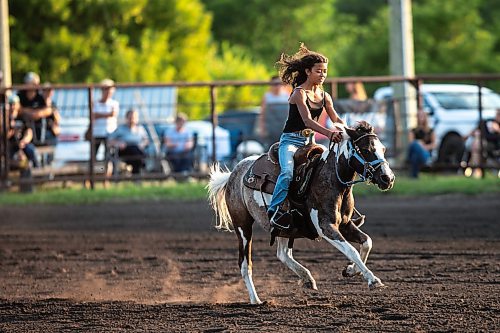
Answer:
(463, 101)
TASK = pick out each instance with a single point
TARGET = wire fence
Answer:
(225, 125)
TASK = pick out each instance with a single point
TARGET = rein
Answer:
(369, 168)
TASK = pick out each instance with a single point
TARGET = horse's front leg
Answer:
(245, 260)
(353, 234)
(284, 254)
(332, 235)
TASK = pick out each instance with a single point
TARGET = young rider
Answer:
(305, 71)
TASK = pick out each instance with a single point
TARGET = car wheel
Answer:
(451, 150)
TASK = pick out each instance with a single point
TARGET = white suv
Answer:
(453, 112)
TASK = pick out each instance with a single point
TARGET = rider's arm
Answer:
(299, 97)
(331, 111)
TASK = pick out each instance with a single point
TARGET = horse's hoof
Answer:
(258, 302)
(309, 285)
(377, 284)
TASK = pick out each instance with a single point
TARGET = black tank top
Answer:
(294, 122)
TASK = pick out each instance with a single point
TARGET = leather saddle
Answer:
(264, 172)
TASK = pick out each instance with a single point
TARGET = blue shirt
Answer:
(136, 136)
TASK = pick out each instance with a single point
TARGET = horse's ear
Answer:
(351, 132)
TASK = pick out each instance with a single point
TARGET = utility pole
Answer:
(5, 44)
(402, 64)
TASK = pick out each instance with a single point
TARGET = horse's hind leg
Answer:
(353, 234)
(244, 234)
(284, 254)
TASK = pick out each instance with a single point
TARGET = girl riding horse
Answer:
(305, 71)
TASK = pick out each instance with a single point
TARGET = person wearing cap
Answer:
(104, 115)
(40, 117)
(179, 142)
(19, 133)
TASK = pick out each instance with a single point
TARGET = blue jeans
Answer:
(289, 143)
(417, 156)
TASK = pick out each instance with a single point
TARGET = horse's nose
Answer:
(386, 178)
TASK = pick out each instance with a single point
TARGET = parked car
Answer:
(453, 111)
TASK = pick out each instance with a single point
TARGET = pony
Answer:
(330, 204)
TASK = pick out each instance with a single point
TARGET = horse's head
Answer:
(366, 156)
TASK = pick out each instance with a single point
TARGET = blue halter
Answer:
(369, 168)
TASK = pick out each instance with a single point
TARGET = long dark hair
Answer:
(292, 68)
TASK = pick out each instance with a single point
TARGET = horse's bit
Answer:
(369, 168)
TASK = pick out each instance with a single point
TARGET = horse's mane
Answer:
(363, 126)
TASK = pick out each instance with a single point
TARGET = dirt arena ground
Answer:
(160, 266)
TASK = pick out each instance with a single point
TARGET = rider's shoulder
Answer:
(298, 92)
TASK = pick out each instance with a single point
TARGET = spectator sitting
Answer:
(179, 143)
(422, 142)
(104, 115)
(41, 118)
(491, 144)
(130, 139)
(19, 135)
(52, 126)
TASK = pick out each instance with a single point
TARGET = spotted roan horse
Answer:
(330, 204)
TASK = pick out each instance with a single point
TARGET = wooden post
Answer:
(5, 143)
(482, 160)
(213, 114)
(5, 44)
(91, 141)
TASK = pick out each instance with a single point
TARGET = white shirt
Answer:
(105, 126)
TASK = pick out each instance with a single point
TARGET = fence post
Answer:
(334, 89)
(91, 137)
(482, 160)
(5, 143)
(213, 114)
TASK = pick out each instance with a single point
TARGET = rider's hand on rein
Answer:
(336, 136)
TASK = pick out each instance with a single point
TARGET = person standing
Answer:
(104, 115)
(305, 71)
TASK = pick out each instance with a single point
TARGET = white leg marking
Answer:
(364, 251)
(246, 273)
(285, 255)
(348, 250)
(315, 221)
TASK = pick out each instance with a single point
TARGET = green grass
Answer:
(434, 185)
(123, 192)
(164, 191)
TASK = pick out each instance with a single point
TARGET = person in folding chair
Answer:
(179, 143)
(130, 140)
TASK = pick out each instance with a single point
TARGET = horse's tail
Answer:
(217, 197)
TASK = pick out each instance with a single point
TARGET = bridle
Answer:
(369, 168)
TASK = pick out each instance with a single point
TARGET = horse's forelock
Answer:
(363, 126)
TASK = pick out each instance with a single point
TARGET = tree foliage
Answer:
(201, 40)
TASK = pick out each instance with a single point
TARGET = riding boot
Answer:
(280, 219)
